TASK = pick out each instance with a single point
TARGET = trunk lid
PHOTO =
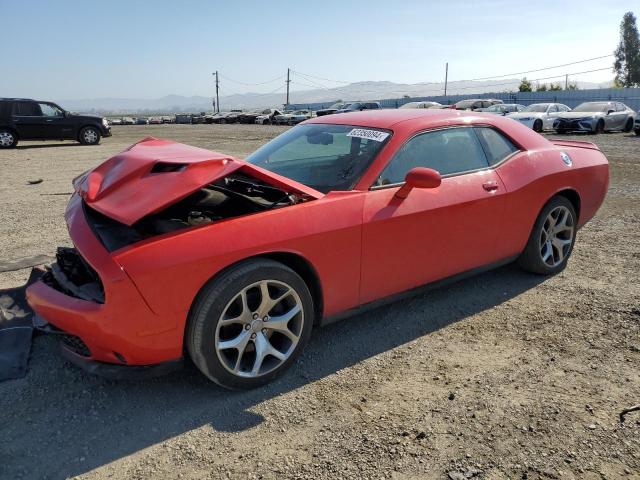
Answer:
(155, 173)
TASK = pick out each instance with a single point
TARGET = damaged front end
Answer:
(73, 276)
(233, 196)
(156, 187)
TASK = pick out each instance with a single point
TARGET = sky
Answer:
(71, 49)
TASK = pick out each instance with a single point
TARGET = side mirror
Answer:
(419, 177)
(609, 112)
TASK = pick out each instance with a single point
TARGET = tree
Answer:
(627, 56)
(572, 86)
(542, 87)
(525, 85)
(554, 87)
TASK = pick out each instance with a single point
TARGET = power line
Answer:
(537, 70)
(251, 84)
(534, 79)
(309, 76)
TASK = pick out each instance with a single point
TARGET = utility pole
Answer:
(217, 98)
(288, 82)
(566, 82)
(446, 77)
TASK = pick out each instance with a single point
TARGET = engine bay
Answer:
(232, 196)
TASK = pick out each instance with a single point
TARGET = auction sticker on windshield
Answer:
(368, 134)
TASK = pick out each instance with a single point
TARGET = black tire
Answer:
(531, 258)
(637, 131)
(537, 126)
(89, 136)
(8, 138)
(628, 126)
(210, 304)
(599, 127)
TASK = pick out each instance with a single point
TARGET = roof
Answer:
(16, 99)
(407, 121)
(389, 118)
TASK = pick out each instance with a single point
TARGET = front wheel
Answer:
(537, 126)
(89, 136)
(551, 241)
(8, 139)
(249, 324)
(628, 126)
(599, 127)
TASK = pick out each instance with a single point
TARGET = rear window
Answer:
(26, 109)
(497, 146)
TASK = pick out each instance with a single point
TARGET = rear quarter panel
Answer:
(533, 179)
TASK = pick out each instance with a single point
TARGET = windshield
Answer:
(494, 108)
(353, 106)
(337, 105)
(593, 107)
(322, 156)
(537, 107)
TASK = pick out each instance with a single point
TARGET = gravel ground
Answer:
(504, 375)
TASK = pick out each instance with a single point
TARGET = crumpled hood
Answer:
(155, 173)
(579, 114)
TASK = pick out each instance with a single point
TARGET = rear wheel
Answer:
(89, 136)
(628, 126)
(8, 139)
(551, 241)
(537, 126)
(249, 324)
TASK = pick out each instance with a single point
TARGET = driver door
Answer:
(55, 126)
(433, 233)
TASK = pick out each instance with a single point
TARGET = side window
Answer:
(620, 107)
(26, 109)
(449, 151)
(49, 110)
(497, 146)
(553, 109)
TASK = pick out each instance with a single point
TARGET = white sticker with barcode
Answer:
(368, 134)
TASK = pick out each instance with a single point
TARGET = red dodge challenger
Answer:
(182, 251)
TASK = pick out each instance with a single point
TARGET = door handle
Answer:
(490, 186)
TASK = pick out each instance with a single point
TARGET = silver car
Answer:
(540, 116)
(596, 117)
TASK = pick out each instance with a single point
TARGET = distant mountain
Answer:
(353, 91)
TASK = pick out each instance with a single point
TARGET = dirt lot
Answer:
(505, 375)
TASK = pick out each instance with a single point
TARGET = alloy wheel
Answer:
(259, 328)
(556, 236)
(6, 139)
(90, 136)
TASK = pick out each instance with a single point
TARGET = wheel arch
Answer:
(573, 196)
(11, 129)
(295, 262)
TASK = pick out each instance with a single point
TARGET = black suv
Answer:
(23, 119)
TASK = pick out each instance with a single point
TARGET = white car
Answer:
(267, 116)
(540, 116)
(421, 105)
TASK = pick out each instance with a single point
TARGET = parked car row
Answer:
(591, 117)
